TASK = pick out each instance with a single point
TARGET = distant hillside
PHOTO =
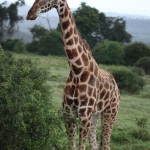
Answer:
(137, 26)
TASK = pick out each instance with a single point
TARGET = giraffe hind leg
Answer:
(108, 120)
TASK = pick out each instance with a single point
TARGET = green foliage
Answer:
(142, 132)
(32, 47)
(51, 43)
(26, 121)
(95, 26)
(138, 71)
(128, 81)
(144, 63)
(9, 18)
(108, 52)
(19, 47)
(113, 29)
(9, 44)
(87, 21)
(37, 31)
(135, 51)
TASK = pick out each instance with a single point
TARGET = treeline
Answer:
(106, 36)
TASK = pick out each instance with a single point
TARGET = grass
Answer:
(131, 106)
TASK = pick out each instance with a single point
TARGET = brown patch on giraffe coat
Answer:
(78, 62)
(69, 54)
(96, 71)
(69, 89)
(76, 70)
(90, 90)
(69, 101)
(106, 85)
(106, 95)
(85, 59)
(82, 88)
(84, 102)
(76, 102)
(91, 66)
(100, 105)
(65, 24)
(66, 12)
(82, 111)
(79, 49)
(91, 102)
(69, 33)
(82, 97)
(102, 94)
(74, 52)
(70, 42)
(89, 111)
(84, 76)
(76, 39)
(92, 80)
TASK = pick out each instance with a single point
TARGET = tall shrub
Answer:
(128, 81)
(51, 43)
(108, 52)
(144, 63)
(135, 51)
(26, 120)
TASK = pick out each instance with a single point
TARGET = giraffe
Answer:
(89, 90)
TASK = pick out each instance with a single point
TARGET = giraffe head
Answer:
(41, 6)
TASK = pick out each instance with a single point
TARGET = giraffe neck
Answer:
(76, 48)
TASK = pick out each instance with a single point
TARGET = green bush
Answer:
(26, 120)
(108, 52)
(135, 51)
(19, 47)
(138, 71)
(51, 43)
(144, 63)
(142, 132)
(9, 44)
(32, 47)
(128, 81)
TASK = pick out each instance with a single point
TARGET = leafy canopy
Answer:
(9, 18)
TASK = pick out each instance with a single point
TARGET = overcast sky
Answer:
(139, 7)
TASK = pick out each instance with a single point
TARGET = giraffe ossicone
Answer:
(89, 90)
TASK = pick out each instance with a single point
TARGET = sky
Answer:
(136, 7)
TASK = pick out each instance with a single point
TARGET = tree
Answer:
(37, 31)
(87, 21)
(113, 29)
(9, 18)
(32, 47)
(108, 52)
(51, 43)
(95, 26)
(135, 51)
(128, 81)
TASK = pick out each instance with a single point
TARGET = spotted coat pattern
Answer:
(89, 90)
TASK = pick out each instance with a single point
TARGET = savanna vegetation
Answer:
(32, 77)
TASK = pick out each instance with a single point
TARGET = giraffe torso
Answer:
(92, 91)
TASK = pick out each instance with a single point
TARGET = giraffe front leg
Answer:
(93, 138)
(71, 132)
(84, 126)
